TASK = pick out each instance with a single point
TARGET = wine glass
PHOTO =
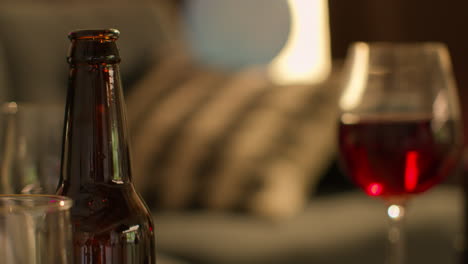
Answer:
(399, 127)
(30, 145)
(35, 229)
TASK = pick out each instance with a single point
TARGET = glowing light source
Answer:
(411, 170)
(305, 58)
(131, 234)
(374, 189)
(62, 203)
(395, 211)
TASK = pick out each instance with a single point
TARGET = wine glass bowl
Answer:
(399, 129)
(397, 155)
(30, 143)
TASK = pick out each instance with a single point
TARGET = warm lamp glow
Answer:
(306, 56)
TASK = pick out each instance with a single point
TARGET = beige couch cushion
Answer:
(208, 139)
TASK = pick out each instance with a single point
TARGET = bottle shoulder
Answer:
(111, 202)
(112, 216)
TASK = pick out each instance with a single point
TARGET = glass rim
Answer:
(10, 107)
(400, 44)
(14, 106)
(41, 202)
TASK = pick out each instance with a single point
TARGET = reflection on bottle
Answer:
(131, 233)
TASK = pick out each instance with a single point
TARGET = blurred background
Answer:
(232, 107)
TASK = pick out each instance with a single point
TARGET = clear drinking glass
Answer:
(30, 147)
(35, 229)
(399, 128)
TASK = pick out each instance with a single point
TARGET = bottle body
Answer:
(111, 223)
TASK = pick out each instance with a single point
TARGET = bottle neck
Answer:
(95, 147)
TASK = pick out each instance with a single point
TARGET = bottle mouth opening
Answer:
(95, 34)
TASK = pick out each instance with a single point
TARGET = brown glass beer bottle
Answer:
(111, 222)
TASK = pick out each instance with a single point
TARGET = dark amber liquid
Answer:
(110, 221)
(397, 155)
(111, 226)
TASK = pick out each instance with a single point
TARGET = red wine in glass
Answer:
(396, 155)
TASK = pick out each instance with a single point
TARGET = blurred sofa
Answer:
(266, 199)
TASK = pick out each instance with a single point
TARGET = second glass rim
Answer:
(52, 203)
(400, 44)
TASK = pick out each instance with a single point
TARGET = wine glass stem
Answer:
(396, 238)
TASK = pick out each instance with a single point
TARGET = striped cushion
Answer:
(203, 138)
